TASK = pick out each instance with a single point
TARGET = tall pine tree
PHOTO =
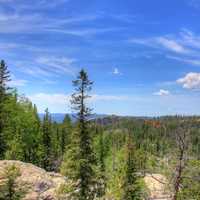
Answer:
(65, 133)
(87, 159)
(46, 129)
(4, 79)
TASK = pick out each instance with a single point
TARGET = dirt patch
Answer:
(156, 184)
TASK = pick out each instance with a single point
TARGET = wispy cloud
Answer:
(192, 61)
(189, 38)
(36, 23)
(33, 5)
(83, 32)
(58, 65)
(171, 45)
(162, 42)
(17, 82)
(47, 67)
(8, 46)
(183, 47)
(37, 71)
(162, 92)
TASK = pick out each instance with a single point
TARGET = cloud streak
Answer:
(162, 42)
(183, 47)
(58, 65)
(39, 23)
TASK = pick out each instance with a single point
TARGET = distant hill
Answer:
(59, 117)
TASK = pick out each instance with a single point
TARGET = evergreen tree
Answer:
(4, 79)
(86, 156)
(132, 190)
(9, 190)
(66, 133)
(46, 129)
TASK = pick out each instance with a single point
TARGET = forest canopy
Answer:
(106, 157)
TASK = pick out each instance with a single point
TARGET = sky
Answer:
(143, 56)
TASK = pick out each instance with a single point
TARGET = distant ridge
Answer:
(59, 117)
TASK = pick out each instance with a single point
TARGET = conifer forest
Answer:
(99, 99)
(104, 157)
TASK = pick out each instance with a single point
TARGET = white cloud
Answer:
(50, 98)
(61, 102)
(116, 71)
(190, 81)
(162, 92)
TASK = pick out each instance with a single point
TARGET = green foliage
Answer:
(94, 154)
(46, 140)
(190, 183)
(131, 187)
(9, 190)
(22, 131)
(71, 165)
(86, 155)
(4, 94)
(115, 172)
(66, 129)
(101, 156)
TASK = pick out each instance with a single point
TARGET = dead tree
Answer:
(181, 135)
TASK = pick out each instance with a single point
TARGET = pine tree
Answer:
(4, 79)
(9, 190)
(65, 133)
(132, 190)
(46, 129)
(86, 156)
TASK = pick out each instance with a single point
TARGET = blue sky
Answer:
(143, 56)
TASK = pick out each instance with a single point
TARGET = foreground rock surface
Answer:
(38, 184)
(42, 185)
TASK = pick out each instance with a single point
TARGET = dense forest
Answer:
(106, 158)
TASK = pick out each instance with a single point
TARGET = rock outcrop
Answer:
(37, 183)
(41, 185)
